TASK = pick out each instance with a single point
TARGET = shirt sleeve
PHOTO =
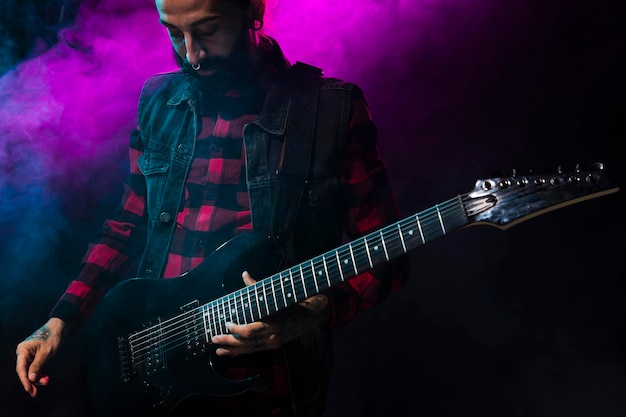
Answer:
(114, 250)
(371, 205)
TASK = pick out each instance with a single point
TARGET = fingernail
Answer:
(229, 325)
(32, 376)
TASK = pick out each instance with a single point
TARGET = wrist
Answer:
(57, 326)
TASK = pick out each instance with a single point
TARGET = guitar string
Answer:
(164, 333)
(385, 232)
(427, 218)
(361, 251)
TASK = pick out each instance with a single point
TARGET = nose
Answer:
(194, 51)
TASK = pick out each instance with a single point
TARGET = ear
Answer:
(256, 10)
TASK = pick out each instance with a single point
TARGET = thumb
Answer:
(247, 279)
(34, 370)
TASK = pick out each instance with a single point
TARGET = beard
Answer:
(227, 72)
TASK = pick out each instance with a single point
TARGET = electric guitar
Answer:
(148, 347)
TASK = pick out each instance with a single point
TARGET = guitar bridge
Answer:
(194, 332)
(142, 353)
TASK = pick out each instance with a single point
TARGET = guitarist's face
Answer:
(208, 35)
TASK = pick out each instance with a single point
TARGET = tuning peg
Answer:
(577, 168)
(513, 173)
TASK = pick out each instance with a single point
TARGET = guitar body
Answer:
(121, 381)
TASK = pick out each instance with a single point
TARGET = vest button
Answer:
(183, 149)
(149, 273)
(165, 217)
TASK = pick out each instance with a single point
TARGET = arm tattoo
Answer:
(43, 333)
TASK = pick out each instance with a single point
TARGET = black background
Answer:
(524, 322)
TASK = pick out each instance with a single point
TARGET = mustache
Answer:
(216, 64)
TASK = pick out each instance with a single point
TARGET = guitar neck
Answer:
(301, 281)
(500, 202)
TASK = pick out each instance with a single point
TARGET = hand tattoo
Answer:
(43, 333)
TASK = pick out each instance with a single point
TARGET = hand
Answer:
(35, 351)
(276, 330)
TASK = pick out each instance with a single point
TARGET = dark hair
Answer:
(258, 9)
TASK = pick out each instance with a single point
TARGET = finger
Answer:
(21, 368)
(249, 331)
(230, 351)
(43, 380)
(228, 340)
(239, 347)
(247, 279)
(34, 371)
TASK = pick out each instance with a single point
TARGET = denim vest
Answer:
(169, 124)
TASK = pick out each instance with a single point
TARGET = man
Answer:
(214, 156)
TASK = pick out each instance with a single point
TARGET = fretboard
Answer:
(290, 286)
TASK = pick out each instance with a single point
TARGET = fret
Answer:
(248, 306)
(326, 271)
(353, 262)
(382, 239)
(230, 308)
(419, 226)
(244, 305)
(317, 289)
(359, 255)
(205, 323)
(282, 290)
(333, 274)
(409, 235)
(302, 281)
(264, 297)
(207, 319)
(367, 250)
(216, 322)
(293, 287)
(258, 303)
(225, 310)
(274, 296)
(219, 316)
(235, 308)
(319, 274)
(443, 227)
(339, 265)
(401, 238)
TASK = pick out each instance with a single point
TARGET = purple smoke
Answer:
(65, 114)
(458, 88)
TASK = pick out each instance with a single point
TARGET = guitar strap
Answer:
(295, 159)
